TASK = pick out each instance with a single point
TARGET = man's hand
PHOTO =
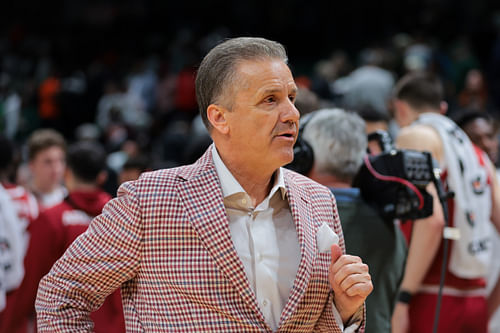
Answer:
(350, 281)
(400, 318)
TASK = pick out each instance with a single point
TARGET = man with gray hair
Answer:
(339, 144)
(231, 243)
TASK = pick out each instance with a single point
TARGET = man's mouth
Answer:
(290, 135)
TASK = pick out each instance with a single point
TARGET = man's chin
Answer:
(287, 158)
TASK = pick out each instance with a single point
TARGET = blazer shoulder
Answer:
(164, 176)
(160, 174)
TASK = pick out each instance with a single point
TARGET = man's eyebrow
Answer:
(271, 91)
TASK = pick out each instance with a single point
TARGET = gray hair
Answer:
(338, 140)
(217, 73)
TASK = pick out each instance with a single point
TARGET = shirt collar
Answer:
(231, 186)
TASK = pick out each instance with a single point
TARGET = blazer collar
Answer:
(302, 213)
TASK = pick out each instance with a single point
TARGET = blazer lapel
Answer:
(202, 197)
(306, 231)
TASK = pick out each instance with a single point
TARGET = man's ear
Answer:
(101, 178)
(399, 106)
(401, 111)
(216, 115)
(68, 177)
(443, 107)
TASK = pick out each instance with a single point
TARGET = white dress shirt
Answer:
(266, 241)
(270, 262)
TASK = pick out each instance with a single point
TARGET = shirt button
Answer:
(244, 201)
(264, 302)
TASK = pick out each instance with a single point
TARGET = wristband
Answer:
(404, 296)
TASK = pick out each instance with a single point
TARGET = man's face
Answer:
(483, 135)
(47, 168)
(263, 120)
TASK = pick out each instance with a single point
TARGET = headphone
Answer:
(303, 155)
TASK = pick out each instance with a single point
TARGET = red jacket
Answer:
(50, 234)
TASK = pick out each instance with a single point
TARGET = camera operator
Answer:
(339, 144)
(418, 101)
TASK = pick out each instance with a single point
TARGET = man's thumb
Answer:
(336, 252)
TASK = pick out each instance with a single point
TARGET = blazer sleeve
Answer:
(96, 263)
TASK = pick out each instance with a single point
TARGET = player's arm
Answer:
(427, 233)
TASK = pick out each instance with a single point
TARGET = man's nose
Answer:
(290, 113)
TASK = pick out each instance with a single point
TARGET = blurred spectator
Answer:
(142, 83)
(377, 130)
(195, 148)
(480, 128)
(367, 87)
(171, 144)
(464, 60)
(11, 248)
(46, 155)
(133, 167)
(327, 71)
(373, 120)
(185, 96)
(120, 106)
(72, 104)
(54, 230)
(24, 203)
(87, 132)
(48, 101)
(116, 160)
(339, 144)
(467, 172)
(10, 107)
(474, 95)
(13, 237)
(417, 57)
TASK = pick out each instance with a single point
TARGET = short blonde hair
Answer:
(43, 139)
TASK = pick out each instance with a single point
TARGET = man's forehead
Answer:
(479, 125)
(248, 69)
(49, 152)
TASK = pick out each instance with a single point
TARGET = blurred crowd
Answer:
(144, 105)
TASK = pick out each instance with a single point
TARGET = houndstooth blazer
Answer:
(165, 241)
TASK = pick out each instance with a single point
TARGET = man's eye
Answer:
(270, 99)
(292, 98)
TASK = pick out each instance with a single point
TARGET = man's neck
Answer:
(42, 190)
(416, 113)
(256, 184)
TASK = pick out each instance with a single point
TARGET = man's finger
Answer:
(362, 289)
(336, 252)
